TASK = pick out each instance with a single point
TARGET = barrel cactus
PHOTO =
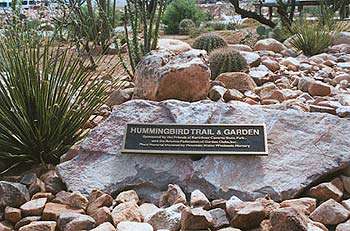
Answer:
(226, 60)
(186, 26)
(209, 42)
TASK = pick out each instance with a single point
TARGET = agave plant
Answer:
(46, 97)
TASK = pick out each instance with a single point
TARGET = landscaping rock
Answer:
(33, 207)
(198, 199)
(12, 194)
(97, 200)
(317, 88)
(216, 93)
(127, 211)
(53, 182)
(326, 191)
(219, 218)
(127, 196)
(39, 226)
(305, 204)
(269, 44)
(5, 226)
(330, 213)
(134, 226)
(288, 219)
(237, 80)
(53, 210)
(102, 215)
(69, 221)
(169, 218)
(343, 226)
(173, 45)
(104, 227)
(174, 195)
(196, 219)
(283, 174)
(26, 221)
(163, 75)
(12, 215)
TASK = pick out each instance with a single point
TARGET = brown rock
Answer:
(127, 196)
(326, 191)
(288, 219)
(342, 76)
(104, 227)
(102, 215)
(77, 200)
(343, 226)
(218, 203)
(36, 186)
(330, 213)
(196, 219)
(6, 226)
(272, 65)
(163, 75)
(38, 195)
(53, 182)
(39, 226)
(134, 226)
(69, 221)
(118, 97)
(272, 95)
(26, 221)
(248, 215)
(198, 199)
(216, 93)
(346, 183)
(97, 200)
(53, 210)
(323, 109)
(237, 80)
(12, 215)
(127, 211)
(33, 207)
(305, 205)
(233, 94)
(173, 195)
(269, 44)
(317, 88)
(219, 218)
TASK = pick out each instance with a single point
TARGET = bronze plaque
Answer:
(203, 139)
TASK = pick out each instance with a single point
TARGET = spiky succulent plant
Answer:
(209, 42)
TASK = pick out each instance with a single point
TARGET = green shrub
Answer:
(231, 25)
(178, 10)
(209, 42)
(186, 26)
(217, 25)
(226, 60)
(47, 95)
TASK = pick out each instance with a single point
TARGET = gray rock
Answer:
(12, 194)
(296, 141)
(75, 221)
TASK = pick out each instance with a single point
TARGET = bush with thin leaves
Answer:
(46, 95)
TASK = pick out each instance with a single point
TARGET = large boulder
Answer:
(165, 75)
(303, 147)
(269, 44)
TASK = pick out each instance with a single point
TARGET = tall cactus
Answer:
(142, 16)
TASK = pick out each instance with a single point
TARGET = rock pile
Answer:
(323, 207)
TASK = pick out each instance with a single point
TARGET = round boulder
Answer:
(269, 44)
(164, 75)
(237, 80)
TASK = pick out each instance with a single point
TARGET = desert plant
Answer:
(90, 23)
(209, 42)
(143, 16)
(226, 60)
(186, 26)
(217, 25)
(231, 25)
(313, 38)
(46, 98)
(178, 10)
